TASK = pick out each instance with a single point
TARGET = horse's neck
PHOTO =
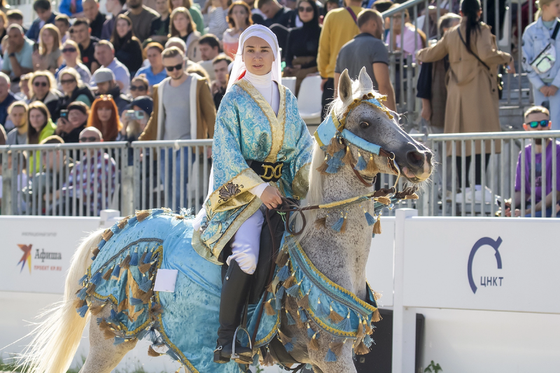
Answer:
(342, 256)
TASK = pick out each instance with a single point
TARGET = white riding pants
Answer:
(246, 242)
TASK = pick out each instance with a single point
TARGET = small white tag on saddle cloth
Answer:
(165, 280)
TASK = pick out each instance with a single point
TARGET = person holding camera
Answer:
(135, 120)
(72, 121)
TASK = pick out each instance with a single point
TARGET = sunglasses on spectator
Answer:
(68, 81)
(306, 9)
(176, 67)
(139, 87)
(536, 123)
(89, 139)
(68, 50)
(40, 84)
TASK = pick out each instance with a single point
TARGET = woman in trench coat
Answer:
(472, 88)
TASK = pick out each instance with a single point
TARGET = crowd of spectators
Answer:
(158, 69)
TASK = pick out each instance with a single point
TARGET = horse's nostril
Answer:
(415, 158)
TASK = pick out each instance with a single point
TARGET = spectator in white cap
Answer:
(106, 85)
(105, 54)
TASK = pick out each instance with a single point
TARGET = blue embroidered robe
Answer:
(248, 129)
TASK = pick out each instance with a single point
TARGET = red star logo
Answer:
(26, 256)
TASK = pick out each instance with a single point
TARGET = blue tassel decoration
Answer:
(289, 346)
(134, 260)
(82, 310)
(142, 334)
(293, 290)
(101, 244)
(280, 293)
(302, 315)
(284, 273)
(148, 257)
(114, 318)
(310, 332)
(335, 162)
(116, 272)
(136, 301)
(82, 294)
(96, 278)
(323, 310)
(331, 357)
(345, 324)
(362, 164)
(338, 225)
(145, 285)
(82, 280)
(278, 304)
(118, 341)
(132, 221)
(291, 320)
(368, 341)
(369, 218)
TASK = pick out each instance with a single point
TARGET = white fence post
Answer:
(404, 320)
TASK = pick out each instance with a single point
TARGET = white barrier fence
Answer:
(487, 309)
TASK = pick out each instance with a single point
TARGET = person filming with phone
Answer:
(72, 121)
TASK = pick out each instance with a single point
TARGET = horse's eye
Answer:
(364, 124)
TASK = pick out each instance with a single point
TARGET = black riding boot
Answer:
(235, 290)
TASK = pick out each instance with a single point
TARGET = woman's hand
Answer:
(544, 90)
(61, 126)
(271, 197)
(552, 90)
(511, 68)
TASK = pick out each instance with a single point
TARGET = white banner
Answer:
(36, 251)
(482, 264)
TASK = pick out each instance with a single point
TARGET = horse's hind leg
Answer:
(103, 356)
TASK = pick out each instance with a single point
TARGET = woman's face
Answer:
(17, 116)
(76, 117)
(239, 15)
(122, 27)
(47, 38)
(176, 3)
(37, 119)
(258, 56)
(104, 114)
(40, 86)
(138, 88)
(181, 23)
(551, 10)
(70, 53)
(154, 57)
(68, 83)
(305, 11)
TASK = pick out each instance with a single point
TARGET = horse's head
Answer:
(363, 126)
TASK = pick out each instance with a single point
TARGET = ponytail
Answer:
(470, 9)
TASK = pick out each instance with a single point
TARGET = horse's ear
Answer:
(345, 87)
(366, 85)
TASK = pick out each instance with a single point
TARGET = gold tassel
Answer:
(411, 196)
(156, 310)
(78, 303)
(349, 157)
(95, 310)
(107, 234)
(361, 349)
(313, 343)
(178, 370)
(376, 295)
(376, 316)
(91, 289)
(126, 262)
(371, 167)
(335, 317)
(304, 302)
(152, 352)
(345, 220)
(144, 267)
(290, 305)
(289, 281)
(282, 258)
(268, 359)
(109, 334)
(284, 338)
(369, 330)
(122, 223)
(142, 214)
(107, 274)
(268, 308)
(334, 146)
(336, 347)
(95, 252)
(104, 325)
(384, 200)
(377, 226)
(323, 167)
(320, 223)
(146, 297)
(123, 305)
(361, 333)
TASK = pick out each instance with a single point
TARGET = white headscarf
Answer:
(239, 66)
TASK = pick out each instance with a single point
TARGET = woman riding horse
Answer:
(262, 151)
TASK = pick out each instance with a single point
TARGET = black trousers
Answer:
(477, 170)
(328, 96)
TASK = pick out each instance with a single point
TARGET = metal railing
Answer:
(175, 174)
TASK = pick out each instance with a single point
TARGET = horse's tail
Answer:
(57, 337)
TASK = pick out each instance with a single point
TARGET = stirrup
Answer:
(238, 358)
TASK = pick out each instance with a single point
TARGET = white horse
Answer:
(341, 254)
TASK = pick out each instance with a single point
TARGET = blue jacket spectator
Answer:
(70, 7)
(45, 15)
